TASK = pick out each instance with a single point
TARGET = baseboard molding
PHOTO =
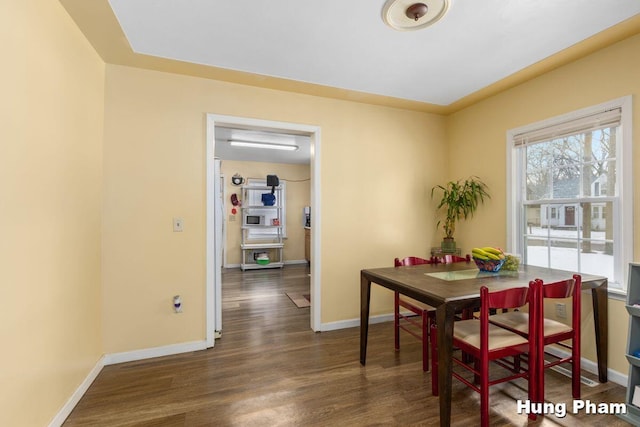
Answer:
(71, 403)
(296, 261)
(114, 358)
(168, 350)
(586, 364)
(592, 367)
(354, 323)
(149, 353)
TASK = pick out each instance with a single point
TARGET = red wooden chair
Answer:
(408, 323)
(426, 313)
(486, 343)
(449, 258)
(551, 331)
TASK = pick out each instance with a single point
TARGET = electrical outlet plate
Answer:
(561, 311)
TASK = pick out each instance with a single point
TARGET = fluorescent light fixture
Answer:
(258, 144)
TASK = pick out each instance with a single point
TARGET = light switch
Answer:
(178, 225)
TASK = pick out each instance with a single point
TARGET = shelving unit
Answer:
(266, 237)
(633, 346)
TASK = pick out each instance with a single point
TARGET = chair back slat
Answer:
(560, 289)
(412, 260)
(449, 258)
(508, 298)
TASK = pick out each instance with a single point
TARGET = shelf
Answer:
(258, 238)
(261, 245)
(635, 361)
(260, 187)
(632, 416)
(633, 310)
(633, 344)
(260, 207)
(257, 266)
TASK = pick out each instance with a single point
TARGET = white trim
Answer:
(71, 403)
(355, 323)
(626, 188)
(149, 353)
(591, 366)
(214, 120)
(316, 233)
(210, 275)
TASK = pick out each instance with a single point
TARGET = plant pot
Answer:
(448, 245)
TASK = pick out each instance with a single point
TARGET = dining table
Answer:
(450, 288)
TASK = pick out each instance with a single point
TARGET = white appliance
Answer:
(219, 233)
(251, 218)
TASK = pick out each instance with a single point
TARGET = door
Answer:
(569, 216)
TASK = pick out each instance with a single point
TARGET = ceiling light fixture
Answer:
(416, 11)
(409, 15)
(259, 144)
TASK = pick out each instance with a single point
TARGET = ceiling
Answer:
(346, 44)
(343, 49)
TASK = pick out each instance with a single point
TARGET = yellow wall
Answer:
(51, 115)
(477, 138)
(297, 182)
(377, 165)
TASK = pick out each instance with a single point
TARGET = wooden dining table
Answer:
(450, 288)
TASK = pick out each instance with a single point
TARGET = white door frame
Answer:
(214, 120)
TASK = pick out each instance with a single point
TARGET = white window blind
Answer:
(601, 120)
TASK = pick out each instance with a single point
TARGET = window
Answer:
(569, 192)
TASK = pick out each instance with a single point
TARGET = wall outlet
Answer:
(177, 304)
(561, 311)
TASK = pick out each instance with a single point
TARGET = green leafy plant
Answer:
(460, 199)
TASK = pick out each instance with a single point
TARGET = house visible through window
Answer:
(570, 199)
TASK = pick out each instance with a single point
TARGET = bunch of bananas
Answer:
(487, 253)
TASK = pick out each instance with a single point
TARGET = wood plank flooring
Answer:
(270, 369)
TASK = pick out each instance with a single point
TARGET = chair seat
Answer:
(419, 305)
(468, 331)
(519, 321)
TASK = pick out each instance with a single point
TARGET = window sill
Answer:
(617, 294)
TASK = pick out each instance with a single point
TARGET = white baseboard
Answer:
(148, 353)
(592, 367)
(62, 415)
(586, 364)
(355, 323)
(295, 261)
(112, 359)
(130, 356)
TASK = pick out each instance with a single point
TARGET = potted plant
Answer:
(460, 199)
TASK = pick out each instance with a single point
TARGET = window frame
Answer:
(516, 186)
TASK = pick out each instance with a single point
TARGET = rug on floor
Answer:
(300, 300)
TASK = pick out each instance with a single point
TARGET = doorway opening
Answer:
(213, 263)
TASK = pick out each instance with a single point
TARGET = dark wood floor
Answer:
(270, 369)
